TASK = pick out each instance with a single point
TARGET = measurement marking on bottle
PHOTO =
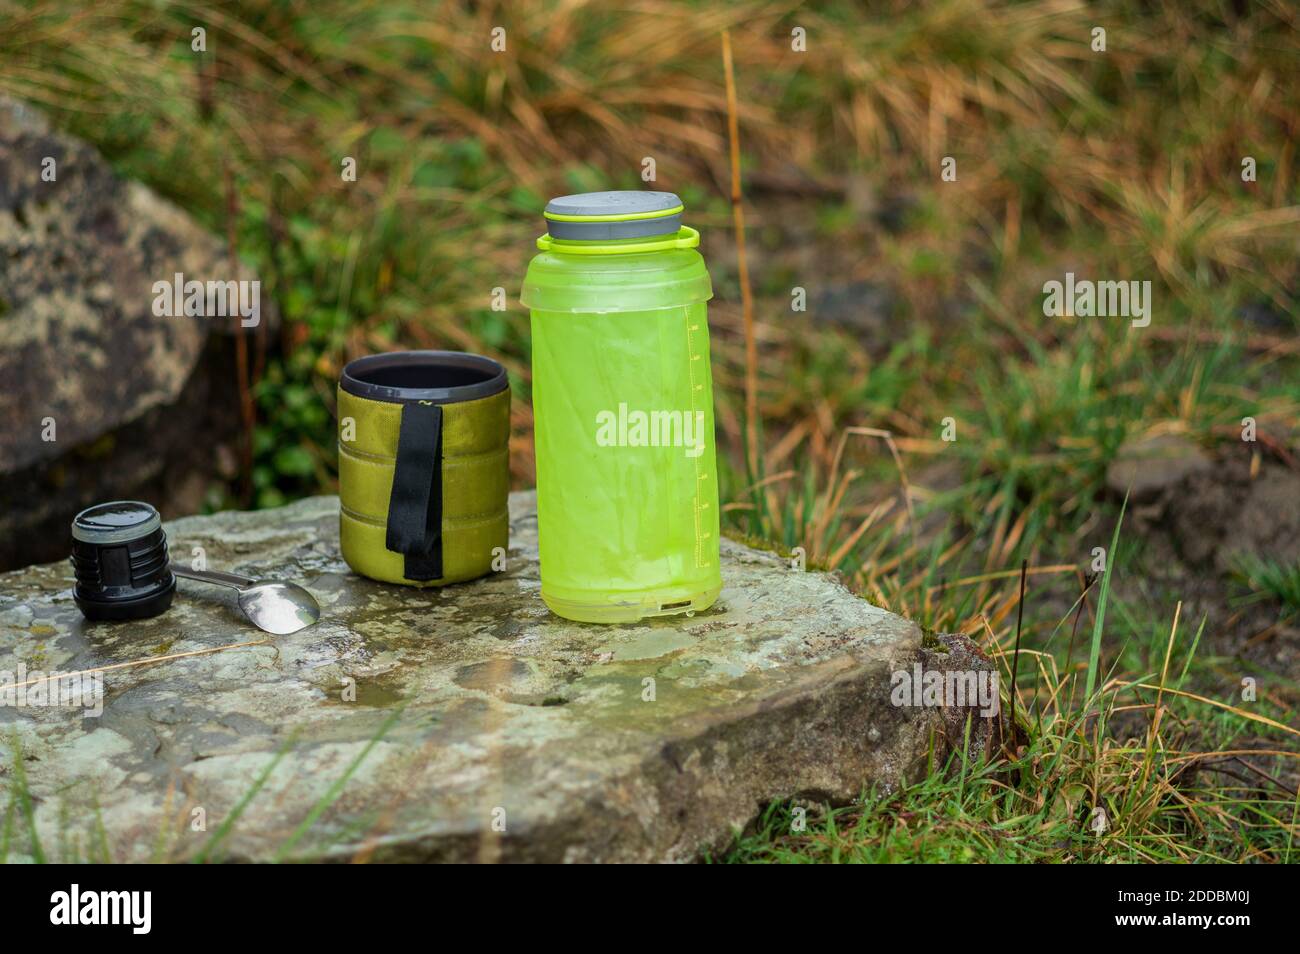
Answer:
(698, 506)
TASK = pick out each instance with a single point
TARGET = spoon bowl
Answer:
(273, 606)
(279, 608)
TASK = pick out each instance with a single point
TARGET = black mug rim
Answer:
(495, 380)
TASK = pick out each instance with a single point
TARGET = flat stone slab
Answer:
(460, 724)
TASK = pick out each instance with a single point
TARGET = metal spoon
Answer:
(271, 605)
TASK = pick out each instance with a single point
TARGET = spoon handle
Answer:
(212, 576)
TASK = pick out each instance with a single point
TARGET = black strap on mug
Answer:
(415, 505)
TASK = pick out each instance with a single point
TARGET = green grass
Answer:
(1099, 623)
(1120, 165)
(1271, 579)
(983, 815)
(1074, 793)
(20, 809)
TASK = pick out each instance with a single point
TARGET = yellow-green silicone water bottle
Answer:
(627, 496)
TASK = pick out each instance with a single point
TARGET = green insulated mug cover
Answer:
(423, 466)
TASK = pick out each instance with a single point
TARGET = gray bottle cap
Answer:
(604, 215)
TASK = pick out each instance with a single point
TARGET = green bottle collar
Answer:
(686, 237)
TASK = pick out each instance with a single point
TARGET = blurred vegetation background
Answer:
(924, 296)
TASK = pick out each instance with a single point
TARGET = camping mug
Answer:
(423, 466)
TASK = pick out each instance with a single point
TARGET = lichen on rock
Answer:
(469, 722)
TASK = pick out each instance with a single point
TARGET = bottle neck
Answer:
(685, 237)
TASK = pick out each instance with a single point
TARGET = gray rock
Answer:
(473, 706)
(1153, 464)
(80, 346)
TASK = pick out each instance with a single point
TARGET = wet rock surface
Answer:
(458, 724)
